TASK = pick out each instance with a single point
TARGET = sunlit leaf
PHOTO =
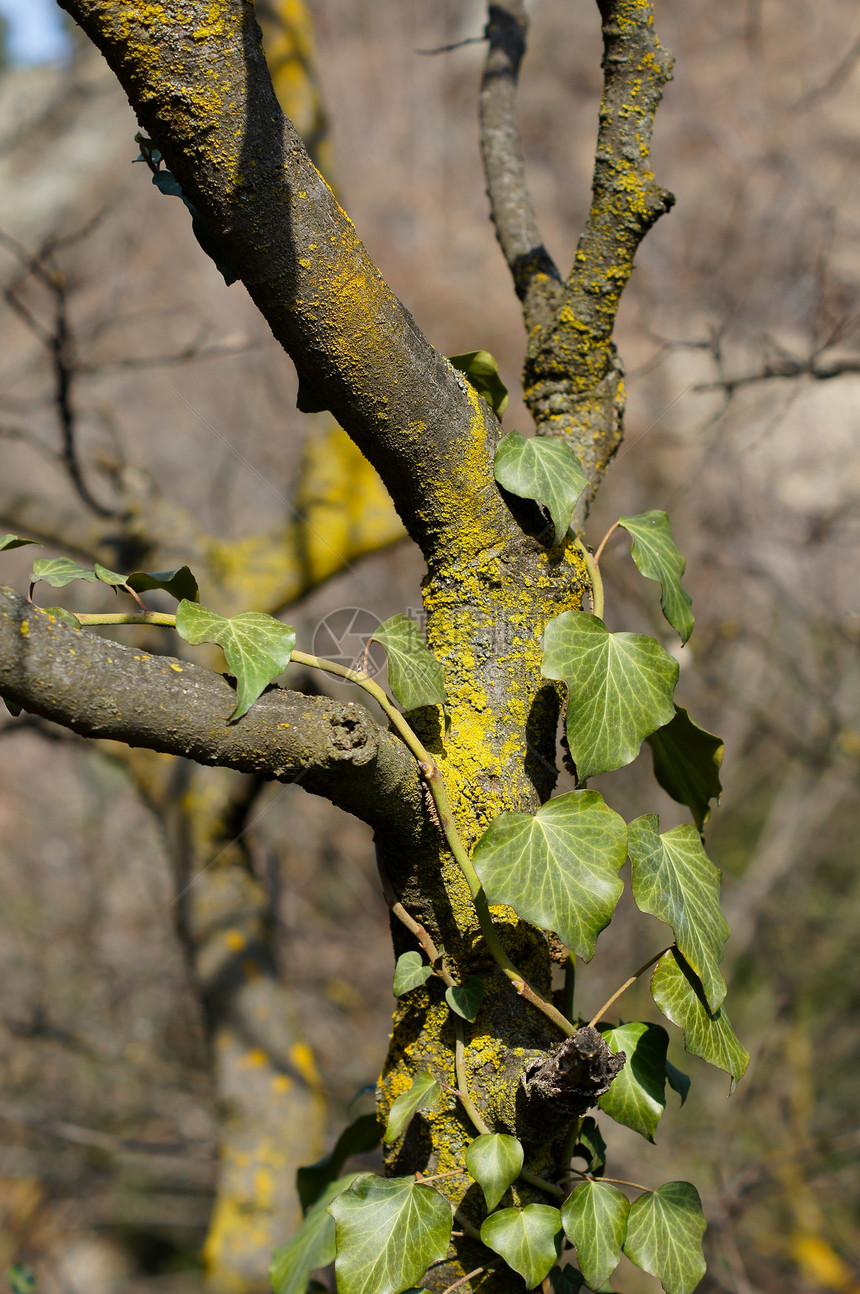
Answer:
(542, 468)
(680, 996)
(559, 867)
(389, 1231)
(415, 676)
(59, 571)
(673, 879)
(620, 689)
(359, 1138)
(65, 617)
(466, 998)
(657, 558)
(687, 762)
(257, 647)
(594, 1218)
(107, 576)
(495, 1160)
(525, 1238)
(15, 541)
(312, 1246)
(637, 1097)
(482, 372)
(424, 1091)
(664, 1236)
(410, 972)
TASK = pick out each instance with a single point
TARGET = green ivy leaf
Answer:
(12, 706)
(558, 868)
(680, 996)
(657, 558)
(594, 1218)
(542, 468)
(65, 617)
(637, 1097)
(591, 1147)
(257, 647)
(15, 541)
(168, 184)
(466, 998)
(410, 972)
(664, 1236)
(482, 372)
(389, 1231)
(674, 880)
(620, 689)
(525, 1238)
(566, 1280)
(107, 576)
(415, 676)
(59, 571)
(678, 1081)
(311, 1247)
(180, 583)
(687, 762)
(359, 1138)
(424, 1091)
(307, 400)
(495, 1160)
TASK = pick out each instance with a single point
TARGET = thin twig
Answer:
(626, 985)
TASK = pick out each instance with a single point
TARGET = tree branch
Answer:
(573, 377)
(536, 279)
(99, 688)
(196, 76)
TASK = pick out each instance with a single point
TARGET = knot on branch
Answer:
(572, 1077)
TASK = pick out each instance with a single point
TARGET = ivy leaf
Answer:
(620, 689)
(525, 1238)
(558, 868)
(591, 1147)
(566, 1280)
(415, 676)
(674, 880)
(307, 400)
(15, 541)
(424, 1091)
(180, 583)
(107, 576)
(680, 996)
(543, 468)
(657, 558)
(482, 372)
(257, 647)
(466, 998)
(495, 1160)
(59, 571)
(389, 1231)
(664, 1236)
(637, 1097)
(594, 1218)
(312, 1246)
(410, 972)
(678, 1081)
(359, 1138)
(12, 706)
(687, 762)
(65, 617)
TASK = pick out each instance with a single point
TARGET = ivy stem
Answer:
(602, 544)
(414, 926)
(462, 1281)
(626, 985)
(595, 579)
(466, 1226)
(437, 1177)
(619, 1181)
(462, 1081)
(125, 618)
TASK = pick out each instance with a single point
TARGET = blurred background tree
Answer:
(181, 1025)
